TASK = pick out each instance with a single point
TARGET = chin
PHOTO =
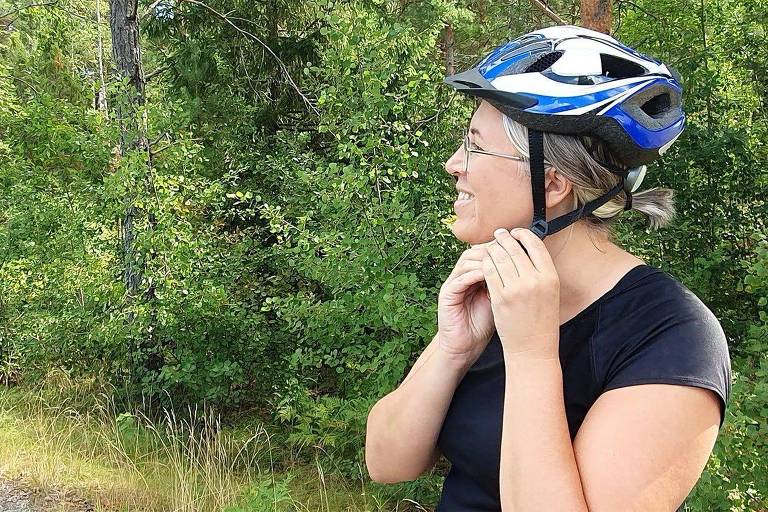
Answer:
(468, 233)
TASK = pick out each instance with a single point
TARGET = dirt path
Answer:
(15, 496)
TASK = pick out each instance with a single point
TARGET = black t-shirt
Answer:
(649, 328)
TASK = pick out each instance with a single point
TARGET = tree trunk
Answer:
(596, 15)
(273, 79)
(101, 95)
(447, 46)
(126, 53)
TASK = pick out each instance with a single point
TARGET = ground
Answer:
(18, 496)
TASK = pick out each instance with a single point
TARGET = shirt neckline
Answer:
(616, 288)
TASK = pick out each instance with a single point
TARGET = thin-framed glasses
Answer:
(468, 150)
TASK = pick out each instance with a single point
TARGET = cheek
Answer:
(504, 196)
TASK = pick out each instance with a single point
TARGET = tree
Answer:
(596, 15)
(126, 53)
(132, 118)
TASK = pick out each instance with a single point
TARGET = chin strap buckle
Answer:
(540, 227)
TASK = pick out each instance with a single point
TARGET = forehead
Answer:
(487, 121)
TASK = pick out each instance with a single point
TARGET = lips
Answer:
(464, 199)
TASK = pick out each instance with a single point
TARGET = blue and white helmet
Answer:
(571, 80)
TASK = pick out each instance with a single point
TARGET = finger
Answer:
(492, 279)
(478, 250)
(482, 244)
(464, 281)
(475, 253)
(504, 264)
(516, 253)
(537, 251)
(466, 266)
(455, 292)
(472, 277)
(463, 266)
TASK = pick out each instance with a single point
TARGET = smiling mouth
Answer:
(463, 199)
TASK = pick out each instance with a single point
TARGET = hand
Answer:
(525, 294)
(464, 316)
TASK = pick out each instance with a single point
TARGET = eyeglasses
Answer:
(468, 150)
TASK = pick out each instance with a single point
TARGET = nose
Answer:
(455, 164)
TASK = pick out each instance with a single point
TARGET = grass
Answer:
(67, 438)
(68, 435)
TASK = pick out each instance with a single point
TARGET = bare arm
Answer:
(402, 427)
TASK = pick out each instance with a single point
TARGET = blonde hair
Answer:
(569, 155)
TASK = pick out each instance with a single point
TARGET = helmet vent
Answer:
(657, 106)
(544, 62)
(531, 47)
(468, 84)
(616, 67)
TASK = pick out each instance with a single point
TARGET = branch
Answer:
(549, 12)
(48, 4)
(150, 8)
(164, 135)
(156, 72)
(12, 77)
(410, 250)
(28, 6)
(280, 63)
(436, 115)
(644, 11)
(76, 14)
(156, 151)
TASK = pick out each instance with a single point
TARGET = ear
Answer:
(557, 188)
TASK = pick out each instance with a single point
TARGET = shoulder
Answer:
(656, 330)
(655, 300)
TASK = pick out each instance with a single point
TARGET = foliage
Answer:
(295, 243)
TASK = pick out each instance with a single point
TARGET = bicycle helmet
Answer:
(571, 80)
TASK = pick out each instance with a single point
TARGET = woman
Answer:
(566, 373)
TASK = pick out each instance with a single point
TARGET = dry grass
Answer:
(67, 436)
(121, 460)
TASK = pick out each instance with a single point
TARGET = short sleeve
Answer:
(670, 338)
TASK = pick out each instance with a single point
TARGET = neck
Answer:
(587, 263)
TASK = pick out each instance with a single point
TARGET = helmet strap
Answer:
(536, 151)
(569, 218)
(540, 226)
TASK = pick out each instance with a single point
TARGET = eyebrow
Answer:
(476, 132)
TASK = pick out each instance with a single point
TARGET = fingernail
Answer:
(499, 231)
